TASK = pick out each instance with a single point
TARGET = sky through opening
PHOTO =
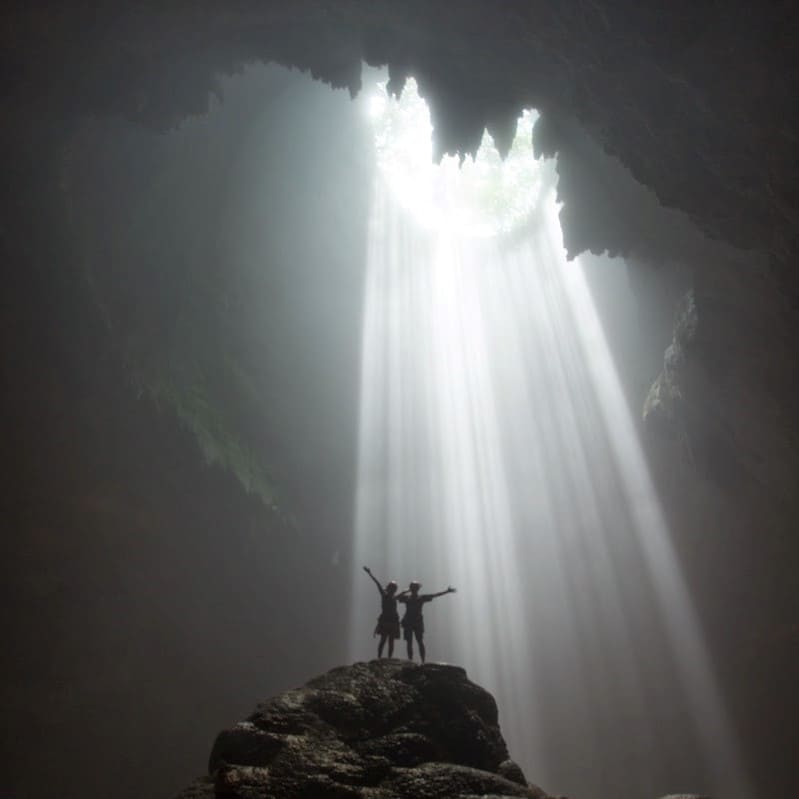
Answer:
(482, 196)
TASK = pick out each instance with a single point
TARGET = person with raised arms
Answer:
(413, 620)
(388, 625)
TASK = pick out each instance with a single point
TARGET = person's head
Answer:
(415, 586)
(391, 587)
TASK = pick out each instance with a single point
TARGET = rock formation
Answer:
(387, 729)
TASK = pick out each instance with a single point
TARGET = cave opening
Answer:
(483, 195)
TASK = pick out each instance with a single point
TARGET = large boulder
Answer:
(381, 730)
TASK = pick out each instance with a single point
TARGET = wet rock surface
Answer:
(382, 729)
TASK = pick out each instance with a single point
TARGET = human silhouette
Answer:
(388, 626)
(413, 621)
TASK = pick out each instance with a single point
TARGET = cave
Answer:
(220, 403)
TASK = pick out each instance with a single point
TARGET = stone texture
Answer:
(662, 409)
(385, 730)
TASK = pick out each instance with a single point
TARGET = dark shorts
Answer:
(388, 626)
(413, 628)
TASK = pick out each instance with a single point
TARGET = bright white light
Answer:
(376, 104)
(481, 197)
(497, 453)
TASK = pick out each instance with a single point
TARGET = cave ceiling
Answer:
(697, 99)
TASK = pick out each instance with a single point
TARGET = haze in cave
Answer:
(275, 342)
(497, 452)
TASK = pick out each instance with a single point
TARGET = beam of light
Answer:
(496, 452)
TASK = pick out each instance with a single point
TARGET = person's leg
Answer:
(381, 645)
(409, 642)
(420, 641)
(390, 645)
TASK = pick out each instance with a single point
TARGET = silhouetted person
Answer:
(413, 621)
(388, 624)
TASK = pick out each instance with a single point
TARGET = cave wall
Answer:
(194, 249)
(149, 590)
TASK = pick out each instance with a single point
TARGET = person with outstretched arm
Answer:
(413, 621)
(388, 626)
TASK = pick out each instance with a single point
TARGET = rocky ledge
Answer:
(387, 729)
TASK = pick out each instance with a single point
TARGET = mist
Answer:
(498, 451)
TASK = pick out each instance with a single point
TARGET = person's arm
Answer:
(374, 579)
(450, 590)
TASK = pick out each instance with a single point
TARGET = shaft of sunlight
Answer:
(683, 628)
(497, 453)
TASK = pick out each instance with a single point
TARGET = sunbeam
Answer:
(497, 453)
